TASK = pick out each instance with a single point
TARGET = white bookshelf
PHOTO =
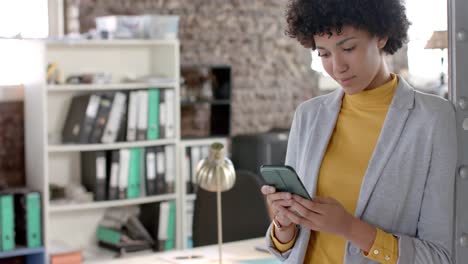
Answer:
(50, 162)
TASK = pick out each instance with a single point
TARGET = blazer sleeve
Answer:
(291, 160)
(433, 241)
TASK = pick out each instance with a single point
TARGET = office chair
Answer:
(244, 212)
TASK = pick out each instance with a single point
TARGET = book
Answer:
(134, 174)
(169, 152)
(161, 183)
(113, 177)
(132, 116)
(28, 218)
(124, 155)
(149, 217)
(142, 123)
(116, 115)
(80, 118)
(196, 157)
(170, 242)
(162, 114)
(170, 114)
(94, 173)
(153, 114)
(102, 117)
(7, 222)
(151, 168)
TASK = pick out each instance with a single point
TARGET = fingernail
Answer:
(288, 196)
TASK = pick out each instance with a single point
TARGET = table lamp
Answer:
(216, 174)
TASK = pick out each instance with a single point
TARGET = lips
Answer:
(347, 79)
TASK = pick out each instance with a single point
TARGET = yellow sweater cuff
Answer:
(280, 246)
(384, 249)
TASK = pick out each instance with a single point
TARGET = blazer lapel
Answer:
(320, 134)
(397, 115)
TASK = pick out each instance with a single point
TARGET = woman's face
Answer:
(353, 58)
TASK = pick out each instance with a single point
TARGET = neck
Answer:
(382, 76)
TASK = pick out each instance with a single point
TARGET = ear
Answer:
(382, 41)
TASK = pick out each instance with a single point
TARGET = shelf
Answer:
(117, 145)
(212, 102)
(21, 252)
(112, 42)
(108, 204)
(187, 142)
(104, 87)
(190, 197)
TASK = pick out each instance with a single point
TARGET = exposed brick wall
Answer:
(12, 170)
(271, 73)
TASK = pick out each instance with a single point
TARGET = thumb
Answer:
(266, 189)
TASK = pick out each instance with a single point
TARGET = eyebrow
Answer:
(339, 42)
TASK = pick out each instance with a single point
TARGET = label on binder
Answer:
(101, 168)
(160, 160)
(150, 161)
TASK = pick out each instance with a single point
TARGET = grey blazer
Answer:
(408, 187)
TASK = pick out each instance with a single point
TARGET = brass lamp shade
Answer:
(216, 167)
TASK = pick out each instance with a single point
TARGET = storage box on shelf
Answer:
(52, 158)
(191, 151)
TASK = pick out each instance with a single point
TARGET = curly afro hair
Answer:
(382, 18)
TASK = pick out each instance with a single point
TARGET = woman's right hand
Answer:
(278, 202)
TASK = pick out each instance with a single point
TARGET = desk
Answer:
(239, 252)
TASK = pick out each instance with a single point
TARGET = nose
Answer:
(340, 66)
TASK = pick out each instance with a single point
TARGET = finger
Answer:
(271, 198)
(310, 205)
(298, 220)
(279, 196)
(305, 211)
(325, 200)
(276, 205)
(266, 189)
(282, 219)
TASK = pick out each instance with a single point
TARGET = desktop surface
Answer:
(239, 252)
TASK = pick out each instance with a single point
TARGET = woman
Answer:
(377, 156)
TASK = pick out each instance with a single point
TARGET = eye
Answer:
(324, 55)
(350, 49)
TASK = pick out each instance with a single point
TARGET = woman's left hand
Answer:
(323, 214)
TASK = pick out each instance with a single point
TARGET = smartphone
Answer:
(284, 179)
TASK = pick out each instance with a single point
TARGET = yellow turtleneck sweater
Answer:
(342, 170)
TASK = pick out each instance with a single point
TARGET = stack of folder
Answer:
(129, 173)
(108, 117)
(153, 226)
(122, 231)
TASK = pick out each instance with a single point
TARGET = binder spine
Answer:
(7, 223)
